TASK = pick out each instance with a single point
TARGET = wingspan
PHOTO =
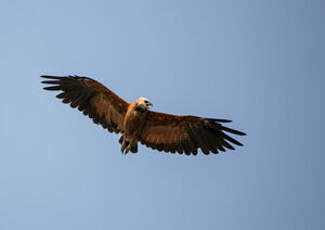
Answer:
(91, 97)
(171, 133)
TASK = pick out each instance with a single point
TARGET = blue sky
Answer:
(259, 63)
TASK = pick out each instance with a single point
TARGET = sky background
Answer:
(260, 63)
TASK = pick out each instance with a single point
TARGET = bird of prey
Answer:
(137, 124)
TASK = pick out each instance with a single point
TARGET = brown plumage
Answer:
(136, 123)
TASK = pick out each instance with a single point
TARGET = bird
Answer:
(137, 123)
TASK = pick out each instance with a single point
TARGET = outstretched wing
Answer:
(91, 97)
(171, 133)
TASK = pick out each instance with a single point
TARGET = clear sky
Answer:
(259, 63)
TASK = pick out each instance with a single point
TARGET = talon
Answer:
(127, 149)
(125, 146)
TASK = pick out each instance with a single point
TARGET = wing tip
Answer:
(237, 132)
(50, 77)
(240, 133)
(233, 131)
(219, 120)
(51, 88)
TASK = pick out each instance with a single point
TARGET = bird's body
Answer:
(138, 124)
(133, 124)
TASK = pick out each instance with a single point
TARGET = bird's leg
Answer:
(124, 146)
(133, 147)
(127, 149)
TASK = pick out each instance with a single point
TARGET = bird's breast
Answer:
(134, 122)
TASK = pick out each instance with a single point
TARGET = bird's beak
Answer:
(150, 104)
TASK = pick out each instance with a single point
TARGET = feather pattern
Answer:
(186, 134)
(92, 98)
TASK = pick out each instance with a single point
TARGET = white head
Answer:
(143, 103)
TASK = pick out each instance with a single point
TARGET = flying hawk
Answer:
(136, 123)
